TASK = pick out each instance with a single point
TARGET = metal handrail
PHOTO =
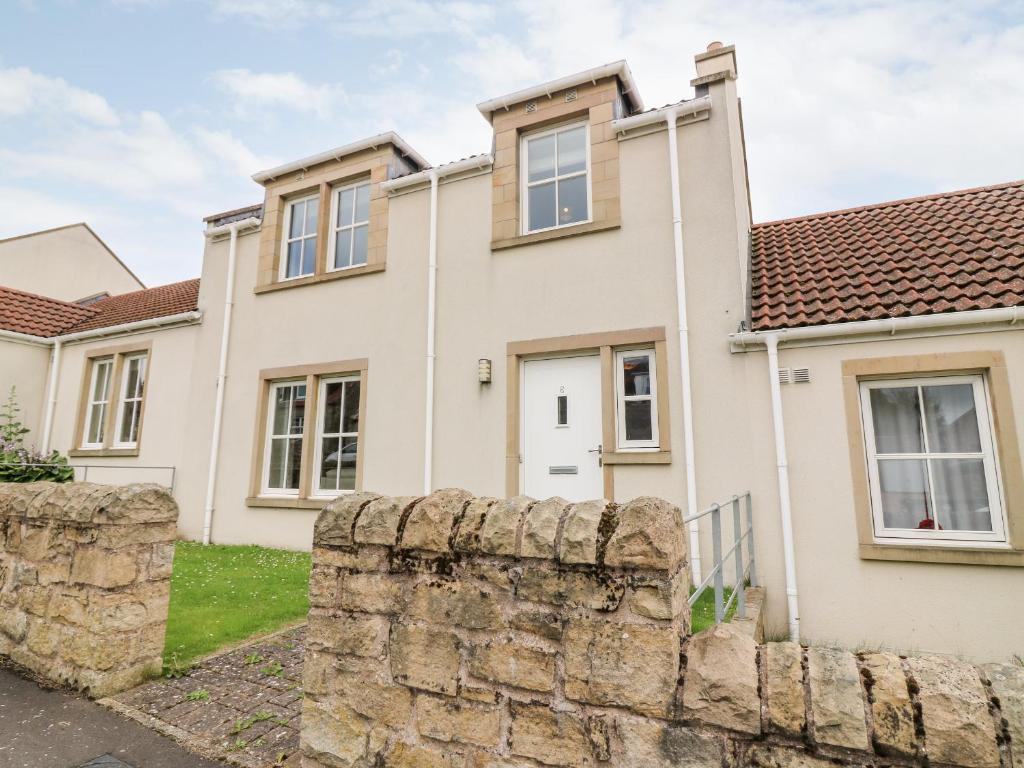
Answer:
(743, 571)
(87, 467)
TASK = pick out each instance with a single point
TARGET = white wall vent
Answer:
(785, 375)
(531, 106)
(570, 95)
(801, 375)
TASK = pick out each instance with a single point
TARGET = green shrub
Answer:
(19, 464)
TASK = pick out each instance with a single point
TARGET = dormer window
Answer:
(350, 233)
(555, 178)
(298, 256)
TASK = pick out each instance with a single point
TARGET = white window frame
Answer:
(124, 398)
(106, 363)
(287, 239)
(525, 184)
(268, 443)
(334, 228)
(321, 414)
(988, 454)
(622, 444)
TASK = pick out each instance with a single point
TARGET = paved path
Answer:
(242, 706)
(42, 728)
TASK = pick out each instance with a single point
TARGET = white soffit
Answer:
(333, 154)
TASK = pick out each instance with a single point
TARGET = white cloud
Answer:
(257, 90)
(275, 14)
(24, 92)
(236, 155)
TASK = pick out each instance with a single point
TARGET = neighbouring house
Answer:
(588, 311)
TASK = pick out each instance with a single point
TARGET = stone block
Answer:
(770, 756)
(425, 658)
(456, 603)
(447, 720)
(551, 738)
(370, 697)
(546, 624)
(721, 683)
(785, 688)
(501, 525)
(362, 559)
(103, 569)
(336, 734)
(579, 533)
(656, 744)
(600, 592)
(892, 713)
(371, 593)
(626, 665)
(467, 539)
(14, 624)
(336, 520)
(378, 522)
(649, 534)
(161, 561)
(1008, 686)
(958, 728)
(661, 599)
(430, 522)
(837, 699)
(43, 638)
(317, 672)
(401, 755)
(512, 663)
(323, 586)
(540, 528)
(349, 635)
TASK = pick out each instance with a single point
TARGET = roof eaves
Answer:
(390, 137)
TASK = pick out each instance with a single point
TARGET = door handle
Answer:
(599, 451)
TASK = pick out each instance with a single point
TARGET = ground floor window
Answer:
(338, 435)
(932, 464)
(113, 400)
(636, 399)
(287, 420)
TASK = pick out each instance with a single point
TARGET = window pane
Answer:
(961, 495)
(329, 463)
(96, 423)
(312, 208)
(362, 203)
(102, 375)
(572, 150)
(276, 471)
(133, 378)
(347, 463)
(282, 399)
(298, 212)
(638, 420)
(541, 153)
(636, 374)
(897, 420)
(129, 421)
(294, 463)
(360, 244)
(308, 255)
(542, 206)
(332, 407)
(952, 420)
(351, 423)
(294, 259)
(343, 249)
(298, 410)
(572, 200)
(345, 206)
(562, 410)
(904, 490)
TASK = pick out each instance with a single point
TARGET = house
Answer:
(588, 311)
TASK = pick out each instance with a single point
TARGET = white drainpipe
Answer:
(771, 341)
(222, 367)
(428, 431)
(684, 346)
(51, 395)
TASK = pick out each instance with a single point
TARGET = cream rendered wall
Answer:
(959, 609)
(26, 368)
(69, 263)
(167, 406)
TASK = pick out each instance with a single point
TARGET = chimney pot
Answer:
(714, 45)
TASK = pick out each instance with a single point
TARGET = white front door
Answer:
(562, 428)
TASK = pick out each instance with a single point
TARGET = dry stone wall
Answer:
(85, 581)
(460, 632)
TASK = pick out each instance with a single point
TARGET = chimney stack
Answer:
(717, 63)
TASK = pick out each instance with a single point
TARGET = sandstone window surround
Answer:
(317, 445)
(112, 401)
(648, 342)
(982, 371)
(594, 106)
(324, 184)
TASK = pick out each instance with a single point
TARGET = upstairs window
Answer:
(931, 460)
(637, 399)
(98, 401)
(555, 178)
(350, 226)
(129, 411)
(298, 252)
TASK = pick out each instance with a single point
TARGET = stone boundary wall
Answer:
(460, 632)
(85, 581)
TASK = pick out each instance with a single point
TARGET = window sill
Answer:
(324, 277)
(637, 457)
(101, 453)
(555, 234)
(286, 502)
(957, 555)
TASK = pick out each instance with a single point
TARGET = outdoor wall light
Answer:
(483, 370)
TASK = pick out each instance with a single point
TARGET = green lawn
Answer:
(223, 594)
(702, 613)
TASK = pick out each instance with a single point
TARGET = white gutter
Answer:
(25, 338)
(51, 395)
(619, 69)
(477, 163)
(222, 365)
(138, 325)
(428, 432)
(670, 117)
(785, 510)
(654, 116)
(338, 152)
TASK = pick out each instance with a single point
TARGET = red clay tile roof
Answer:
(951, 252)
(41, 316)
(38, 315)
